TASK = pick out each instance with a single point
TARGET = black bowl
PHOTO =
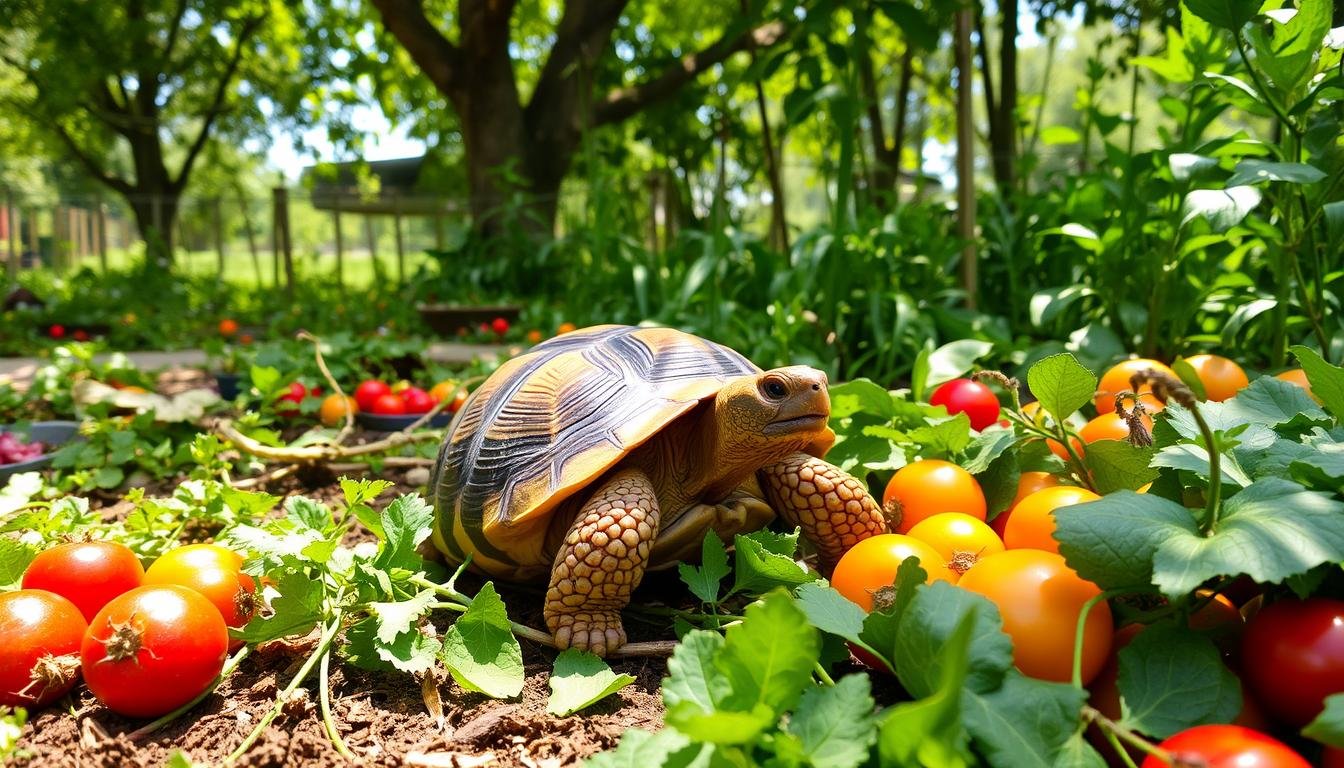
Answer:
(52, 434)
(381, 422)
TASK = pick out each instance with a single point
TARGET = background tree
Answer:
(135, 91)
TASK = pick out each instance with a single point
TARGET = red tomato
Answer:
(969, 397)
(500, 326)
(39, 658)
(925, 488)
(872, 563)
(416, 400)
(288, 403)
(388, 405)
(56, 331)
(1332, 757)
(1227, 746)
(1040, 598)
(153, 649)
(369, 391)
(87, 573)
(80, 335)
(213, 571)
(1293, 657)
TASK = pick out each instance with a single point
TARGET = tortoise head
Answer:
(763, 417)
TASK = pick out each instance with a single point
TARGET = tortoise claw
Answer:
(598, 632)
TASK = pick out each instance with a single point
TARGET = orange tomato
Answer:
(1109, 426)
(216, 573)
(135, 389)
(534, 336)
(1116, 380)
(1040, 599)
(227, 327)
(444, 390)
(1033, 520)
(1221, 377)
(1027, 484)
(1299, 377)
(871, 565)
(565, 327)
(1218, 613)
(334, 407)
(959, 539)
(924, 488)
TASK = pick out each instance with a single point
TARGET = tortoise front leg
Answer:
(832, 506)
(601, 562)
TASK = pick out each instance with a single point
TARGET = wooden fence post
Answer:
(401, 246)
(251, 236)
(101, 223)
(373, 249)
(280, 208)
(340, 244)
(219, 235)
(12, 222)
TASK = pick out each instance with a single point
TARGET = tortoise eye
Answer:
(774, 389)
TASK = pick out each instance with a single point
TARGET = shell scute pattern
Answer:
(549, 422)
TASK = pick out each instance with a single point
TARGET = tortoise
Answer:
(612, 449)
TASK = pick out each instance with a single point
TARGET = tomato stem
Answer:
(323, 645)
(1113, 728)
(1078, 632)
(325, 701)
(224, 672)
(822, 674)
(1119, 748)
(1215, 470)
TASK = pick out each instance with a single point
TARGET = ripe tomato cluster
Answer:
(146, 641)
(374, 396)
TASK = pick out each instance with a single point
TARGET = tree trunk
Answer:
(1005, 151)
(155, 214)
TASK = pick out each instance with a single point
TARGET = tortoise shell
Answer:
(548, 423)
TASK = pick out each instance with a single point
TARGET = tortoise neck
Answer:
(725, 455)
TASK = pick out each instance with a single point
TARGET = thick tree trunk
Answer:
(155, 216)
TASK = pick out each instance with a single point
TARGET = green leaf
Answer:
(860, 396)
(265, 379)
(764, 560)
(1285, 50)
(1113, 541)
(929, 732)
(835, 724)
(945, 437)
(663, 749)
(881, 625)
(1025, 723)
(692, 677)
(704, 579)
(1327, 381)
(15, 556)
(295, 611)
(412, 652)
(986, 447)
(1228, 14)
(999, 482)
(929, 622)
(722, 726)
(1334, 222)
(1271, 530)
(1172, 678)
(398, 618)
(1223, 208)
(1328, 727)
(1186, 166)
(1116, 465)
(579, 680)
(480, 650)
(1271, 402)
(828, 610)
(955, 358)
(768, 658)
(1061, 384)
(407, 521)
(308, 513)
(1253, 171)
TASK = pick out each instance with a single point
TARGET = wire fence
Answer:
(237, 238)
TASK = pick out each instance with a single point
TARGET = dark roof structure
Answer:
(336, 186)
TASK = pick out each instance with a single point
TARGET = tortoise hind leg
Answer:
(600, 563)
(833, 507)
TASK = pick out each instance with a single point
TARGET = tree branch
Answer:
(623, 103)
(432, 52)
(90, 165)
(582, 34)
(245, 33)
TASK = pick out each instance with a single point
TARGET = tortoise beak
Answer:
(808, 406)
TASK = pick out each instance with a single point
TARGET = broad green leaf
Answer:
(1328, 727)
(412, 652)
(1271, 530)
(1025, 723)
(1320, 468)
(397, 618)
(692, 677)
(1172, 678)
(1253, 171)
(662, 749)
(721, 726)
(930, 621)
(15, 556)
(580, 679)
(768, 658)
(296, 610)
(955, 358)
(1112, 541)
(764, 560)
(1334, 222)
(835, 724)
(1228, 14)
(1078, 753)
(480, 650)
(1193, 458)
(1272, 402)
(999, 482)
(1285, 49)
(1116, 465)
(830, 611)
(944, 438)
(308, 513)
(703, 580)
(1186, 166)
(407, 521)
(859, 396)
(1061, 384)
(929, 732)
(1223, 208)
(881, 624)
(986, 447)
(1327, 381)
(1048, 303)
(1060, 134)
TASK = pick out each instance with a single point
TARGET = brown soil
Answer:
(382, 718)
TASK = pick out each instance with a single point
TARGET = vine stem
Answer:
(1081, 625)
(1113, 728)
(328, 721)
(1260, 84)
(224, 672)
(822, 674)
(323, 646)
(349, 425)
(1215, 469)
